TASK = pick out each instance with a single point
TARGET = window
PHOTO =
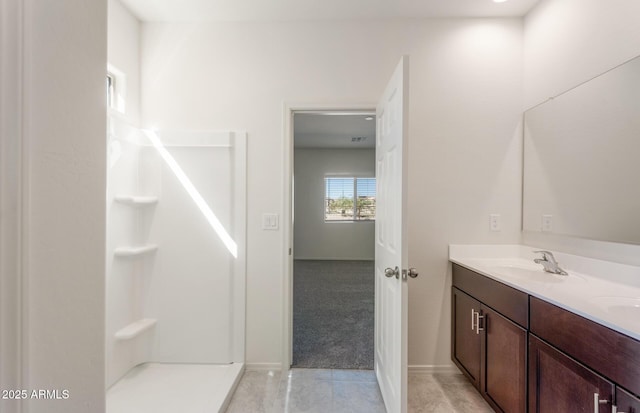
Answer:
(349, 199)
(116, 85)
(111, 90)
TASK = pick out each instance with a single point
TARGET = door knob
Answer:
(411, 272)
(388, 272)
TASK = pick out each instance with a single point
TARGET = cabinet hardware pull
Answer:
(478, 328)
(597, 402)
(475, 321)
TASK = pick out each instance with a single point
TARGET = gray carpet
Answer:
(333, 314)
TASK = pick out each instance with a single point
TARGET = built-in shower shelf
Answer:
(136, 200)
(135, 329)
(135, 251)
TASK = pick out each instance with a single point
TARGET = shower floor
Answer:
(170, 388)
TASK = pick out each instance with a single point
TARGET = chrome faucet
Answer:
(549, 263)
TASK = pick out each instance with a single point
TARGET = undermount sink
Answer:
(528, 273)
(524, 270)
(626, 307)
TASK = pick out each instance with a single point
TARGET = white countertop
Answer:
(605, 292)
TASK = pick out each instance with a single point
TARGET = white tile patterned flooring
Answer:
(353, 391)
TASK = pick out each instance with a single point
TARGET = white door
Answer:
(391, 241)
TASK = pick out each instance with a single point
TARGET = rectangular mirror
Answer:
(582, 160)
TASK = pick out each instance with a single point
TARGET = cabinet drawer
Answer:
(612, 354)
(508, 301)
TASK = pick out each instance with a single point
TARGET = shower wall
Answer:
(128, 223)
(125, 220)
(175, 290)
(192, 288)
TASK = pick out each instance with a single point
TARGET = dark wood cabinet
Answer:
(627, 403)
(466, 344)
(610, 353)
(557, 383)
(504, 349)
(525, 354)
(489, 348)
(575, 356)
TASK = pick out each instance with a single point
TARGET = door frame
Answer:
(287, 208)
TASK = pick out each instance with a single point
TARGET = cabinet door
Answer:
(465, 351)
(504, 349)
(626, 402)
(558, 383)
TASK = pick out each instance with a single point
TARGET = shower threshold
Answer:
(170, 388)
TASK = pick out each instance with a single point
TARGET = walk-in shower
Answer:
(175, 268)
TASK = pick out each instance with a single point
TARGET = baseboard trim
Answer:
(332, 259)
(413, 369)
(262, 366)
(430, 369)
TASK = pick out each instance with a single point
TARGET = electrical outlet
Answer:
(494, 222)
(547, 223)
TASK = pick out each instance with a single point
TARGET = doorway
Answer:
(333, 275)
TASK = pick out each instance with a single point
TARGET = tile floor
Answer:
(354, 391)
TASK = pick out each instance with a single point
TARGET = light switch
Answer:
(547, 223)
(494, 222)
(270, 221)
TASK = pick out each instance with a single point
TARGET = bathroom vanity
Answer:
(539, 342)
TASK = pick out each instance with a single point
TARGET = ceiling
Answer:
(282, 10)
(334, 130)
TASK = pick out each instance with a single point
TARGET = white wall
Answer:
(10, 194)
(568, 42)
(314, 238)
(464, 163)
(64, 138)
(466, 100)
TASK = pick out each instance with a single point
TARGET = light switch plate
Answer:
(494, 222)
(270, 221)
